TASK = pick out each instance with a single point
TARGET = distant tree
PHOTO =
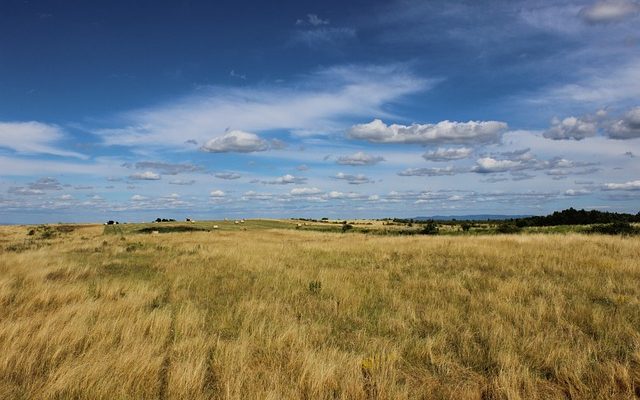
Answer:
(465, 226)
(430, 228)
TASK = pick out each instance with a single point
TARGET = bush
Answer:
(616, 228)
(465, 226)
(508, 228)
(346, 227)
(430, 228)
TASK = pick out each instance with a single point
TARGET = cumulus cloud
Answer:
(472, 132)
(359, 159)
(305, 191)
(227, 175)
(571, 128)
(145, 176)
(286, 180)
(335, 195)
(491, 165)
(137, 197)
(631, 185)
(217, 194)
(447, 154)
(353, 179)
(236, 141)
(35, 138)
(627, 127)
(609, 11)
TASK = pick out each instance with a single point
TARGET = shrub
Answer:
(465, 226)
(508, 228)
(346, 227)
(430, 228)
(615, 228)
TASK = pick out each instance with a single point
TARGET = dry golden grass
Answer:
(285, 314)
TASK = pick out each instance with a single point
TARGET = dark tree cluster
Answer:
(165, 220)
(572, 216)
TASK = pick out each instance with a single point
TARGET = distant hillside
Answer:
(471, 217)
(569, 216)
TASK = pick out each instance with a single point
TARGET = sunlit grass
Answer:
(249, 312)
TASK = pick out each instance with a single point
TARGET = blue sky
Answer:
(139, 109)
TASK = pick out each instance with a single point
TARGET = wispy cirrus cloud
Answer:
(316, 102)
(34, 138)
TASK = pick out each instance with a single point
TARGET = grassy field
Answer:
(270, 310)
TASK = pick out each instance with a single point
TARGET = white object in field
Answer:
(242, 221)
(215, 227)
(155, 232)
(236, 222)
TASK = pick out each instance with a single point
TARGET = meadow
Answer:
(281, 310)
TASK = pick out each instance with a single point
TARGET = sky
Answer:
(133, 110)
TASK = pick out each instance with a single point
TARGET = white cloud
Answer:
(571, 128)
(353, 179)
(145, 176)
(34, 137)
(472, 132)
(627, 127)
(447, 154)
(609, 11)
(577, 192)
(286, 180)
(236, 141)
(217, 194)
(491, 165)
(335, 195)
(631, 185)
(137, 197)
(305, 191)
(227, 175)
(358, 159)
